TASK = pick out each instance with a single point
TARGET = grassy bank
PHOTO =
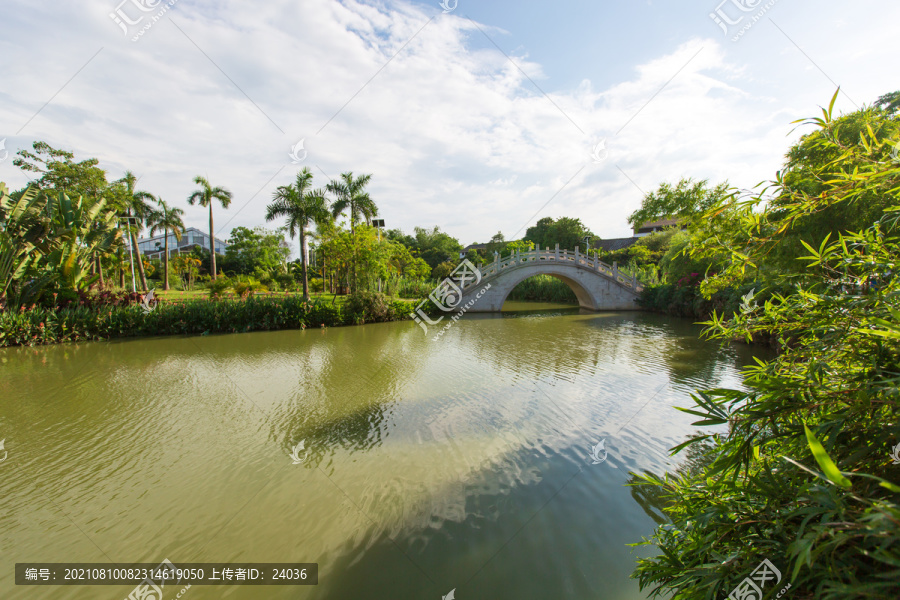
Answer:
(39, 326)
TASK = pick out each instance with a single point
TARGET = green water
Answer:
(461, 463)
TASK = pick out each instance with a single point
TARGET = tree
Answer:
(58, 170)
(541, 233)
(568, 232)
(166, 218)
(302, 207)
(24, 238)
(798, 466)
(435, 247)
(889, 102)
(351, 195)
(822, 149)
(687, 199)
(204, 197)
(136, 207)
(497, 244)
(255, 250)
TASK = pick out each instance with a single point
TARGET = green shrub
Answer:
(369, 307)
(38, 325)
(218, 287)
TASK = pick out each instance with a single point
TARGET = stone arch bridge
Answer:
(597, 285)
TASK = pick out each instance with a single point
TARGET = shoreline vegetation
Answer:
(37, 326)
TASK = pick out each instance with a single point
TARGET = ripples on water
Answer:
(431, 465)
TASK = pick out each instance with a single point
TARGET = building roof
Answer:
(658, 224)
(614, 244)
(186, 230)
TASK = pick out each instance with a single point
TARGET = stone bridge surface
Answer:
(597, 285)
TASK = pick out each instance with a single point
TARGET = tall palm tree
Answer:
(204, 197)
(166, 218)
(136, 207)
(350, 194)
(302, 206)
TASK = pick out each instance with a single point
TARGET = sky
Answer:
(474, 117)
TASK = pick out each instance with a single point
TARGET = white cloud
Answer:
(453, 133)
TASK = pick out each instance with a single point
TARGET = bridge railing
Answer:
(564, 257)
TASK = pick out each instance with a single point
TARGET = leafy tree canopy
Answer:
(252, 249)
(566, 231)
(435, 246)
(686, 199)
(56, 169)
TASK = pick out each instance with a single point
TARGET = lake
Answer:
(465, 463)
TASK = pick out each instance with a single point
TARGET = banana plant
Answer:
(84, 228)
(24, 229)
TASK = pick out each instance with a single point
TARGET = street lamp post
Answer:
(130, 254)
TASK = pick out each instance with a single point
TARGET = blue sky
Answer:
(454, 130)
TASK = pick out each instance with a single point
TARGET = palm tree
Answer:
(166, 218)
(302, 207)
(350, 195)
(204, 197)
(136, 207)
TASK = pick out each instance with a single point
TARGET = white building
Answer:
(153, 247)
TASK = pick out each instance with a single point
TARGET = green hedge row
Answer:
(39, 326)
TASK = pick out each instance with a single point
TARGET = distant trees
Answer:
(566, 231)
(255, 250)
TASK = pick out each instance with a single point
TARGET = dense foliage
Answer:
(34, 326)
(798, 467)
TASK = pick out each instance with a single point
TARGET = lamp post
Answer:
(130, 254)
(378, 224)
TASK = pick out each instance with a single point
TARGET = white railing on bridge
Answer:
(561, 257)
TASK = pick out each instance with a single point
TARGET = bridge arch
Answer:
(597, 285)
(585, 300)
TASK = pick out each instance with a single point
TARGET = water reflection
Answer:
(428, 466)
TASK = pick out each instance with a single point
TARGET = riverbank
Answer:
(38, 326)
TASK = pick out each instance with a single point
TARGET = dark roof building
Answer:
(654, 226)
(615, 244)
